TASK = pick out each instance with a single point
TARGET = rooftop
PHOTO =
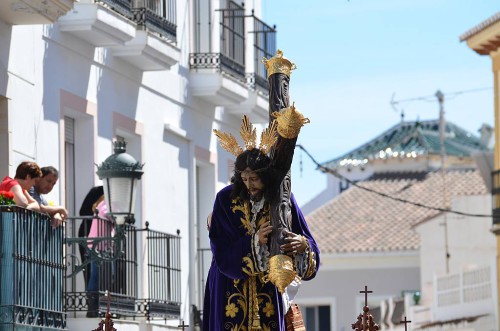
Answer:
(480, 27)
(411, 140)
(362, 221)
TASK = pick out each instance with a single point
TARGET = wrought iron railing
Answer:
(122, 7)
(204, 261)
(119, 277)
(495, 192)
(232, 33)
(218, 62)
(156, 15)
(31, 271)
(230, 58)
(161, 18)
(264, 43)
(164, 275)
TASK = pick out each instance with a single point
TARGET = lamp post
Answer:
(119, 173)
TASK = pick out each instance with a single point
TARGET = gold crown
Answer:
(278, 65)
(249, 135)
(290, 120)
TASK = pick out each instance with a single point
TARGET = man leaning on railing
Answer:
(44, 185)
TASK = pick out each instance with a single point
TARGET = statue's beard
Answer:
(255, 197)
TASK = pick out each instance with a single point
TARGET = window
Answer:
(69, 163)
(317, 318)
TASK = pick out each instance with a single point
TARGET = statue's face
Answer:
(253, 183)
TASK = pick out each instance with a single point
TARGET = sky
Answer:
(354, 56)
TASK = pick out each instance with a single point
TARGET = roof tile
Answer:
(362, 221)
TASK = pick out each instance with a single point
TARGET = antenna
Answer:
(393, 105)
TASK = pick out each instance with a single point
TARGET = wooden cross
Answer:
(183, 326)
(366, 294)
(405, 322)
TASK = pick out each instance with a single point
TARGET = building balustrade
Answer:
(468, 293)
(204, 262)
(222, 70)
(264, 44)
(158, 16)
(229, 56)
(31, 271)
(122, 7)
(35, 268)
(140, 32)
(219, 63)
(464, 296)
(118, 275)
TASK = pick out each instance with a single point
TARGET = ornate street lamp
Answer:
(119, 173)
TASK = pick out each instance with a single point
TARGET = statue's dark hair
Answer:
(258, 162)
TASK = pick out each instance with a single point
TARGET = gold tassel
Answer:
(253, 315)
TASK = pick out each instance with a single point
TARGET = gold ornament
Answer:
(281, 272)
(268, 137)
(249, 135)
(278, 65)
(228, 142)
(290, 120)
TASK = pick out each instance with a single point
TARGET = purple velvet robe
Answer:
(234, 268)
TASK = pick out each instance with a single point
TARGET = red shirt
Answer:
(8, 183)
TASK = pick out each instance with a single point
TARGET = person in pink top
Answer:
(26, 174)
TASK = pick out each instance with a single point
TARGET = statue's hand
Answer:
(295, 243)
(264, 231)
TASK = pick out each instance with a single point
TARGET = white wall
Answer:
(48, 74)
(342, 276)
(470, 242)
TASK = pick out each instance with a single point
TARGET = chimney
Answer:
(486, 137)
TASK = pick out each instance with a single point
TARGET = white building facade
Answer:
(77, 75)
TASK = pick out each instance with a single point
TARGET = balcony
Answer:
(465, 294)
(38, 289)
(23, 12)
(147, 52)
(219, 77)
(123, 278)
(98, 25)
(140, 32)
(466, 298)
(264, 46)
(31, 271)
(222, 72)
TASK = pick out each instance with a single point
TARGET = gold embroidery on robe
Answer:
(249, 299)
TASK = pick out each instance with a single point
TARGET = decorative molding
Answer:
(176, 131)
(127, 123)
